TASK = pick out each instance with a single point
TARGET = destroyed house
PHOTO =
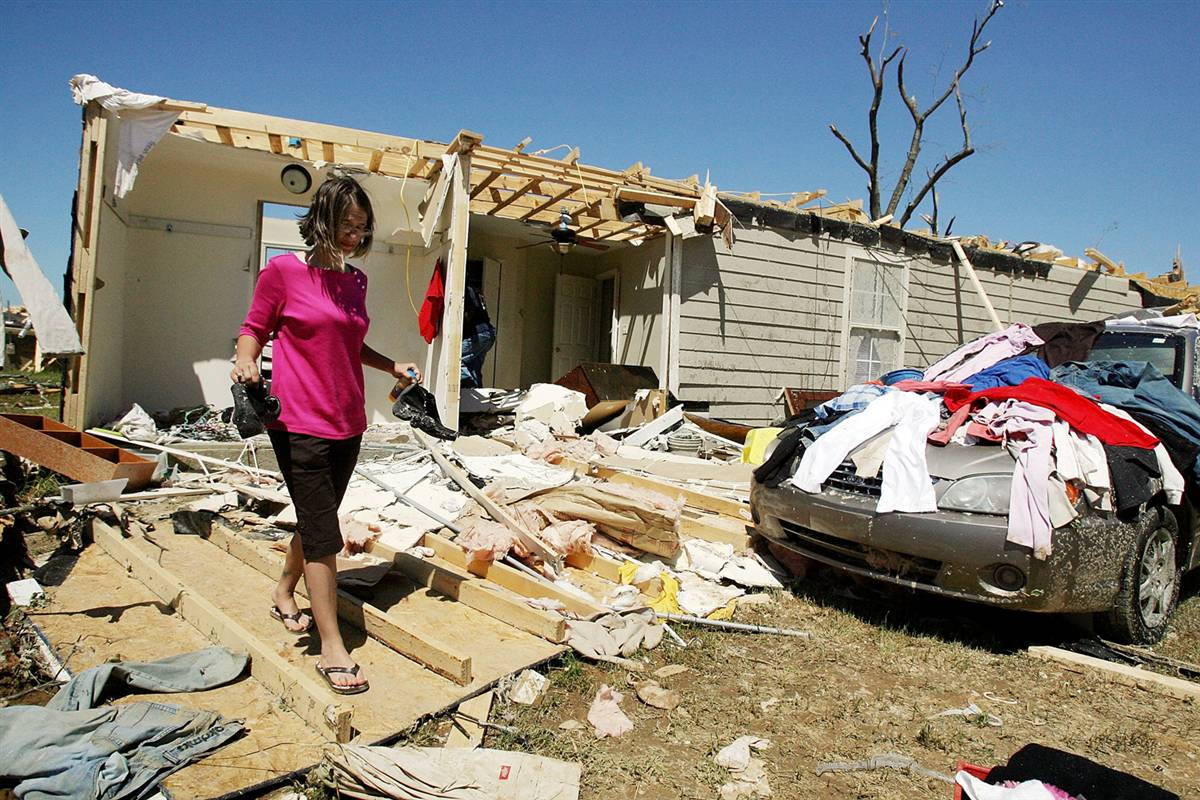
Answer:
(727, 299)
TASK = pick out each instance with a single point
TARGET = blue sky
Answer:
(1085, 114)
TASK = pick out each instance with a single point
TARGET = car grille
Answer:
(881, 562)
(843, 478)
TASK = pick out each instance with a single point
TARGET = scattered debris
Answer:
(650, 693)
(748, 771)
(528, 688)
(973, 713)
(884, 761)
(606, 715)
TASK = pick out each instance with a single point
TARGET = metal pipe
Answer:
(733, 626)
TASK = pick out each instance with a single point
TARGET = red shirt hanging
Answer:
(429, 320)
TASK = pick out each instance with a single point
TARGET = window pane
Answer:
(876, 294)
(872, 354)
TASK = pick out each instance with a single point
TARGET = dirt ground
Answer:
(870, 680)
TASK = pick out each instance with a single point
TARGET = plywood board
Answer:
(101, 613)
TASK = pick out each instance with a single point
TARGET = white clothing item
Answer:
(1080, 457)
(140, 126)
(868, 458)
(1172, 480)
(979, 790)
(1176, 321)
(906, 483)
(55, 331)
(1026, 430)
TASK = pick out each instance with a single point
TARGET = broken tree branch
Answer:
(944, 167)
(919, 116)
(877, 75)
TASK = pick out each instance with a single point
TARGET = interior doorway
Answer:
(585, 321)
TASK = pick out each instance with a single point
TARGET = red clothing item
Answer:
(429, 321)
(1081, 413)
(319, 320)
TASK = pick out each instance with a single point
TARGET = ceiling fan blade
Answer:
(590, 243)
(533, 244)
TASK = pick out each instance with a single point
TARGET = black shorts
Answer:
(317, 472)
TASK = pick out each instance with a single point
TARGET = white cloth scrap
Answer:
(906, 482)
(55, 330)
(140, 126)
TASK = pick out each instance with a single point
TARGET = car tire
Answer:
(1149, 584)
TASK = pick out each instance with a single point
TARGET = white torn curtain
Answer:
(55, 331)
(139, 125)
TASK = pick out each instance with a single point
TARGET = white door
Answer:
(574, 324)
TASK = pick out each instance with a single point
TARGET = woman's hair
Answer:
(329, 206)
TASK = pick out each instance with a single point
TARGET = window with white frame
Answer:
(874, 335)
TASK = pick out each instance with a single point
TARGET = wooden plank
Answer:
(692, 498)
(638, 195)
(511, 579)
(435, 206)
(715, 528)
(467, 731)
(596, 564)
(516, 195)
(492, 508)
(475, 593)
(1120, 673)
(382, 626)
(312, 702)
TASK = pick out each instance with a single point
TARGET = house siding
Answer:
(769, 314)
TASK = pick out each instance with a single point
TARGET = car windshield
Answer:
(1163, 351)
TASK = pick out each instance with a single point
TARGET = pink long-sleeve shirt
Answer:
(319, 320)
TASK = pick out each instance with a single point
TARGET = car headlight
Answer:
(979, 494)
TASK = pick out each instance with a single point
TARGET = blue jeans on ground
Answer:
(474, 350)
(69, 749)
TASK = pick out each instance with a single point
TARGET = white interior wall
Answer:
(640, 305)
(106, 346)
(182, 265)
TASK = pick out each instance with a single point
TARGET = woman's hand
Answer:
(407, 370)
(245, 371)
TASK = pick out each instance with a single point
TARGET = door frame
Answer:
(615, 329)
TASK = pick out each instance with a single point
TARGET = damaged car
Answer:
(1125, 568)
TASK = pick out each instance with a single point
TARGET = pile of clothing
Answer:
(1106, 434)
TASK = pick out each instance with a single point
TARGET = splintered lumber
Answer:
(469, 720)
(637, 522)
(492, 508)
(1119, 673)
(314, 703)
(509, 578)
(715, 528)
(605, 567)
(691, 497)
(379, 624)
(475, 593)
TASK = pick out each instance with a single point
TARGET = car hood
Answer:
(956, 461)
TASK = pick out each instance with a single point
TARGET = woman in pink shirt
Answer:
(314, 305)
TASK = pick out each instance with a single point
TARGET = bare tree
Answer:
(919, 117)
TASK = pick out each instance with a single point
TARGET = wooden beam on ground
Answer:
(691, 497)
(379, 624)
(715, 528)
(605, 567)
(511, 579)
(473, 592)
(1120, 673)
(467, 731)
(490, 506)
(314, 703)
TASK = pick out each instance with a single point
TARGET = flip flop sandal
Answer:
(286, 618)
(337, 688)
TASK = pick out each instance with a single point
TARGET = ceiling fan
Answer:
(563, 239)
